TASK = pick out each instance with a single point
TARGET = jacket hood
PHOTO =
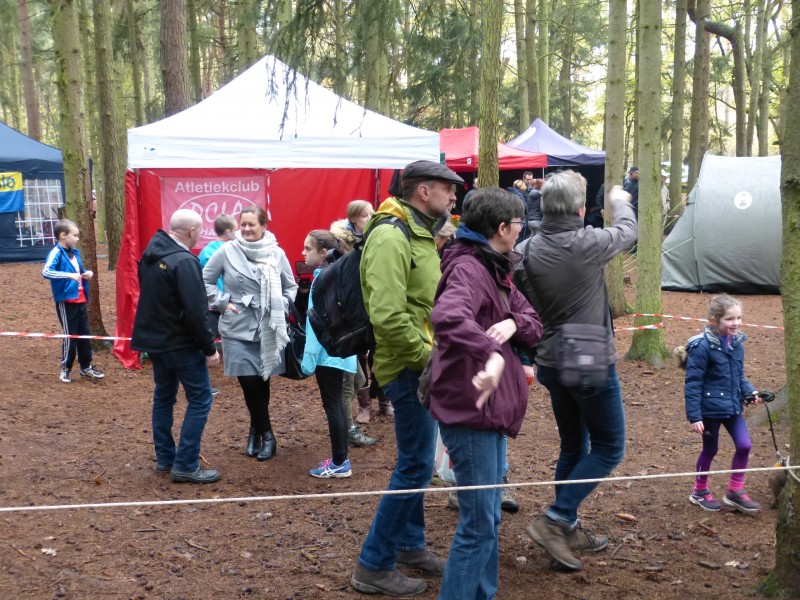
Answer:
(462, 249)
(417, 221)
(160, 246)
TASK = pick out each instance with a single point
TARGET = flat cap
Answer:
(427, 169)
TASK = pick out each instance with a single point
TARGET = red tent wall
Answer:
(299, 200)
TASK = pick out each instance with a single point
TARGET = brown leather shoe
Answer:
(423, 561)
(390, 583)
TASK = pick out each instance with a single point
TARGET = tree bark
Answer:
(648, 345)
(174, 63)
(246, 23)
(565, 74)
(785, 578)
(69, 81)
(340, 48)
(372, 98)
(614, 135)
(544, 59)
(531, 62)
(113, 146)
(522, 66)
(755, 72)
(490, 77)
(136, 64)
(698, 10)
(678, 101)
(194, 51)
(32, 109)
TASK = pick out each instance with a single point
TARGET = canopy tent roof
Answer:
(21, 154)
(272, 117)
(460, 147)
(728, 238)
(560, 151)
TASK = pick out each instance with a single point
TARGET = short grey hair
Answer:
(563, 193)
(184, 219)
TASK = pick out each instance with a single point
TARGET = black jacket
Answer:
(172, 313)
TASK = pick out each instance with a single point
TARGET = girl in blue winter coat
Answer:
(715, 386)
(329, 370)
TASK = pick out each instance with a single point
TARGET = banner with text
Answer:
(12, 196)
(210, 197)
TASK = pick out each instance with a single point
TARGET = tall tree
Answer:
(648, 345)
(565, 75)
(174, 62)
(522, 66)
(247, 40)
(544, 59)
(69, 81)
(755, 72)
(614, 134)
(112, 146)
(678, 93)
(786, 576)
(29, 91)
(491, 73)
(136, 62)
(532, 61)
(698, 130)
(194, 50)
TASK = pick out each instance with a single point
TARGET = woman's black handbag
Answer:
(293, 353)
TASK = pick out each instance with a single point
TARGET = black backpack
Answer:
(338, 316)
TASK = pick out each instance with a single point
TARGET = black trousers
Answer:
(256, 396)
(74, 320)
(329, 381)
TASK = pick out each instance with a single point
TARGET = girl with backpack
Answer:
(329, 370)
(715, 386)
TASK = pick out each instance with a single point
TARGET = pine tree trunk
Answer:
(762, 125)
(113, 145)
(373, 75)
(32, 109)
(522, 66)
(531, 61)
(246, 23)
(340, 50)
(136, 65)
(565, 74)
(69, 81)
(698, 10)
(490, 78)
(648, 345)
(194, 51)
(174, 67)
(755, 73)
(678, 93)
(614, 134)
(786, 576)
(544, 60)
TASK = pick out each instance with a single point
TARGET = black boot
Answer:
(269, 447)
(253, 443)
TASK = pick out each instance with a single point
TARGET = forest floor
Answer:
(91, 443)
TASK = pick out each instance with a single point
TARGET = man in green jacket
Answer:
(399, 276)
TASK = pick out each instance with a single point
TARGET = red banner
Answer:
(210, 197)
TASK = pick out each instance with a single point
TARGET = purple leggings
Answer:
(737, 429)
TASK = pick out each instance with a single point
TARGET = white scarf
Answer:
(263, 256)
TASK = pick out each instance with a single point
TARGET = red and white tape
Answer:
(640, 327)
(680, 318)
(61, 336)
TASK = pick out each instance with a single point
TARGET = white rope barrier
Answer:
(143, 503)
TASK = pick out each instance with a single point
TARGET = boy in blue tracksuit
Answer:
(70, 283)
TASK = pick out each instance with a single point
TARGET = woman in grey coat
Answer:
(258, 285)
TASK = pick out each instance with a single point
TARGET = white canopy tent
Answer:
(272, 117)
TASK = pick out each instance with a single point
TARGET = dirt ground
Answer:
(91, 443)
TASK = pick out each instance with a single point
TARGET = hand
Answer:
(232, 308)
(617, 194)
(501, 332)
(76, 277)
(487, 380)
(212, 361)
(698, 427)
(530, 374)
(756, 399)
(87, 275)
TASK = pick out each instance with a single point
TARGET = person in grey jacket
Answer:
(258, 285)
(561, 274)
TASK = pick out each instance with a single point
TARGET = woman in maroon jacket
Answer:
(479, 392)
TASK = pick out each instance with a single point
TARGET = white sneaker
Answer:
(65, 375)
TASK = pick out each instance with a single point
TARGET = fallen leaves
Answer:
(626, 517)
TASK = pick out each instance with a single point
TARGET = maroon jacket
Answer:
(467, 303)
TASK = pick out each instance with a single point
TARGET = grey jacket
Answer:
(242, 289)
(561, 273)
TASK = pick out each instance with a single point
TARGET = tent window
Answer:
(42, 201)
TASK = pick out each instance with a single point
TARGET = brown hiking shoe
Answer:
(552, 536)
(390, 583)
(581, 539)
(424, 561)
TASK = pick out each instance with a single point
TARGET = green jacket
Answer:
(399, 298)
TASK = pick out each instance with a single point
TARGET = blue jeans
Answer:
(591, 423)
(399, 522)
(187, 367)
(474, 560)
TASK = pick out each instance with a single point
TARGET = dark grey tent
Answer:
(27, 234)
(728, 238)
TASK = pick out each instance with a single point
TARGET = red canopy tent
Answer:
(460, 147)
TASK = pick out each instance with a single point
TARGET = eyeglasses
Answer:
(515, 223)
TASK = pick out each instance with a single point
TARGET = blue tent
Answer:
(560, 151)
(27, 217)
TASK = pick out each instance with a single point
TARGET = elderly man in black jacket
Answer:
(172, 326)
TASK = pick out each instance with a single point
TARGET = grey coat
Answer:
(563, 273)
(242, 289)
